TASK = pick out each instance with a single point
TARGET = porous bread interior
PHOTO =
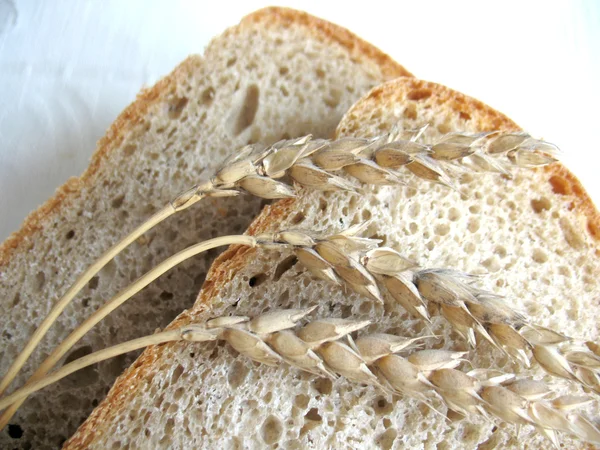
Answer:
(523, 236)
(261, 81)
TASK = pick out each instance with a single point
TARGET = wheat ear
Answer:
(313, 163)
(364, 266)
(318, 347)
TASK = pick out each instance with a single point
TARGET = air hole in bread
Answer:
(320, 73)
(117, 202)
(301, 401)
(410, 112)
(571, 234)
(178, 394)
(382, 406)
(323, 385)
(387, 438)
(560, 185)
(244, 113)
(169, 427)
(15, 431)
(175, 107)
(93, 284)
(237, 374)
(268, 397)
(500, 251)
(231, 61)
(283, 70)
(474, 209)
(16, 299)
(346, 311)
(465, 116)
(473, 225)
(70, 234)
(313, 414)
(322, 205)
(257, 280)
(540, 204)
(413, 228)
(297, 218)
(284, 266)
(492, 264)
(442, 229)
(365, 307)
(40, 280)
(129, 149)
(207, 96)
(419, 94)
(284, 91)
(166, 295)
(271, 430)
(539, 256)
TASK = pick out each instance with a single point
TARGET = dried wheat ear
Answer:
(374, 271)
(324, 347)
(313, 163)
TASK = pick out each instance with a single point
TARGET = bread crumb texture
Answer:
(271, 77)
(527, 241)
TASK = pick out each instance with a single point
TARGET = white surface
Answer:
(68, 68)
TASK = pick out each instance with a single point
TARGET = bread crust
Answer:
(136, 112)
(235, 257)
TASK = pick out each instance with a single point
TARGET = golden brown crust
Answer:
(329, 32)
(400, 90)
(125, 386)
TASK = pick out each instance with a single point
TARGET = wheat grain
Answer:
(317, 347)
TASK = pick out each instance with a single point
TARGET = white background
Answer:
(67, 68)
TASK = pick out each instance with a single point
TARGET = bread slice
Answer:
(534, 236)
(278, 73)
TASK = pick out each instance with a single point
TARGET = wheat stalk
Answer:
(319, 348)
(313, 163)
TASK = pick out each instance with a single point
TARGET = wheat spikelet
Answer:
(324, 347)
(378, 160)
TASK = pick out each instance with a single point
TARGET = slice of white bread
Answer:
(534, 235)
(278, 73)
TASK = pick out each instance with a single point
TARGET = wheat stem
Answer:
(118, 300)
(88, 360)
(83, 279)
